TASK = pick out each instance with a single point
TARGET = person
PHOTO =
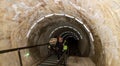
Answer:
(65, 47)
(59, 47)
(52, 44)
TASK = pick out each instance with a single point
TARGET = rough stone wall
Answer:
(77, 61)
(102, 16)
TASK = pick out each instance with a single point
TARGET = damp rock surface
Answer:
(101, 16)
(79, 61)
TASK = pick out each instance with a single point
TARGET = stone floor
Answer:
(79, 61)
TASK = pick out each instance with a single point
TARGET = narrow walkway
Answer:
(51, 61)
(71, 61)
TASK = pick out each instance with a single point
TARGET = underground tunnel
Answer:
(90, 27)
(76, 34)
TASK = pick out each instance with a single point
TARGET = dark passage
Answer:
(73, 46)
(76, 35)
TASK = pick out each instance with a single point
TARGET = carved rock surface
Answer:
(101, 16)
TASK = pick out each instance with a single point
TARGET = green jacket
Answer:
(65, 47)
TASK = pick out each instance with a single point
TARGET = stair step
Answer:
(51, 61)
(48, 64)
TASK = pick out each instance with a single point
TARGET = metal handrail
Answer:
(20, 48)
(62, 59)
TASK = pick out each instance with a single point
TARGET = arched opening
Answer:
(73, 46)
(77, 35)
(78, 44)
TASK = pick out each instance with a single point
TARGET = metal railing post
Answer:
(20, 59)
(21, 48)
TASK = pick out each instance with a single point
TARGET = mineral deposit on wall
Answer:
(102, 16)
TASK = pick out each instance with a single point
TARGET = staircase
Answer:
(51, 61)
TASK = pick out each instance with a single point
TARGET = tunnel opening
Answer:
(73, 46)
(74, 40)
(75, 33)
